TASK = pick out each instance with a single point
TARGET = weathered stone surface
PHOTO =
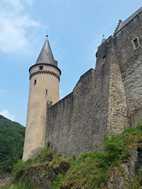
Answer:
(105, 100)
(130, 61)
(121, 177)
(44, 91)
(71, 121)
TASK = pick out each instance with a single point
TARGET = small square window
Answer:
(40, 67)
(136, 43)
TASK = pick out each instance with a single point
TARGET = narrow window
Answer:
(136, 43)
(40, 67)
(35, 82)
(46, 91)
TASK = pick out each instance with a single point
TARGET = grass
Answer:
(19, 186)
(136, 182)
(88, 171)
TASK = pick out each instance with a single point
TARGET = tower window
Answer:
(136, 43)
(35, 82)
(40, 67)
(46, 91)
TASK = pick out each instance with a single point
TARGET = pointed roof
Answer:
(46, 55)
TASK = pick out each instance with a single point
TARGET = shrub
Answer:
(88, 170)
(91, 170)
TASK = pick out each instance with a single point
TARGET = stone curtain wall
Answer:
(111, 107)
(71, 121)
(130, 61)
(105, 100)
(123, 77)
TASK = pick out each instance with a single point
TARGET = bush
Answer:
(89, 170)
(116, 148)
(47, 166)
(46, 155)
(19, 168)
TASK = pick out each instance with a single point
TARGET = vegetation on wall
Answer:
(11, 143)
(88, 171)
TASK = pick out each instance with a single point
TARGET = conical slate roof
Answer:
(46, 55)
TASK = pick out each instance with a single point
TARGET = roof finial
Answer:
(46, 55)
(46, 36)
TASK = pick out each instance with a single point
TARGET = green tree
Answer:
(11, 143)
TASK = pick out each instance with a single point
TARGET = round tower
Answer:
(43, 92)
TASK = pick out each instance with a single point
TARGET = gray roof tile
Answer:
(46, 55)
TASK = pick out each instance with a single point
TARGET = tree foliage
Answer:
(11, 143)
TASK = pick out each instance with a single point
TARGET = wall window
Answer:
(136, 43)
(46, 91)
(40, 67)
(35, 82)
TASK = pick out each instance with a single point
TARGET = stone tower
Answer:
(44, 91)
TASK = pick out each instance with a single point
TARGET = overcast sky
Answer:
(75, 29)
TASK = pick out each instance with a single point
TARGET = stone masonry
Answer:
(105, 100)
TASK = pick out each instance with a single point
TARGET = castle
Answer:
(105, 100)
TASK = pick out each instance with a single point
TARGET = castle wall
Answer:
(124, 64)
(71, 121)
(111, 98)
(97, 105)
(101, 99)
(105, 100)
(117, 104)
(82, 118)
(130, 61)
